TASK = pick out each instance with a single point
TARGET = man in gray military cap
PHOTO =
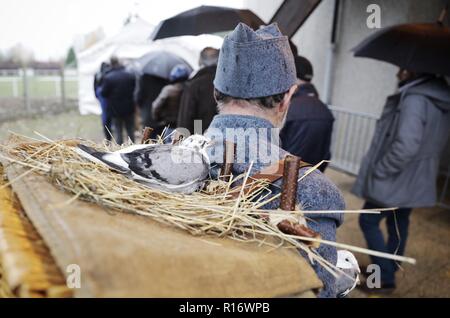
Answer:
(254, 83)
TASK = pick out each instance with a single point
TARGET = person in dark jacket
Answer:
(165, 107)
(197, 101)
(402, 164)
(147, 90)
(118, 89)
(309, 122)
(98, 82)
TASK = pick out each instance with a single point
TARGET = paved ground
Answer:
(429, 230)
(428, 243)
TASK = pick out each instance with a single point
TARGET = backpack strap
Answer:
(271, 174)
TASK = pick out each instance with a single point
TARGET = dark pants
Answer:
(119, 123)
(397, 227)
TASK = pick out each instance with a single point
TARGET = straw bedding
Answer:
(213, 211)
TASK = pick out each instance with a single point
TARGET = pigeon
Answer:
(178, 168)
(346, 262)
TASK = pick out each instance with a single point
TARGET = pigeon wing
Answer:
(169, 164)
(101, 157)
(345, 284)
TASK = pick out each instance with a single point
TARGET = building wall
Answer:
(357, 84)
(373, 79)
(263, 8)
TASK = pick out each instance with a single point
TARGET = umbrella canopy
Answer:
(159, 63)
(417, 47)
(204, 20)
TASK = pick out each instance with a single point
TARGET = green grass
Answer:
(37, 88)
(66, 125)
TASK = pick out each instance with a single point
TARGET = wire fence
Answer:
(28, 92)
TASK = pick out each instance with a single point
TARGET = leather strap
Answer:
(272, 174)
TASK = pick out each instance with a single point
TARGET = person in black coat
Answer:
(309, 122)
(118, 89)
(147, 91)
(197, 101)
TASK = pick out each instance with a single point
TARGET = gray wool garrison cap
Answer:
(255, 64)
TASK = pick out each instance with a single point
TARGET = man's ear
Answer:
(287, 98)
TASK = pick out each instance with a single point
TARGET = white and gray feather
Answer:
(174, 168)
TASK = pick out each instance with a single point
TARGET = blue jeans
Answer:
(106, 119)
(396, 242)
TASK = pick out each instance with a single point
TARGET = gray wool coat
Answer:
(315, 192)
(401, 166)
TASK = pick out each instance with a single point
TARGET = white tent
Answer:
(131, 43)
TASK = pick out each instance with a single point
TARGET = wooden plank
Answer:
(292, 14)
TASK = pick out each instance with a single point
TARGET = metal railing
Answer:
(352, 135)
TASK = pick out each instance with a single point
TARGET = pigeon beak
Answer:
(211, 143)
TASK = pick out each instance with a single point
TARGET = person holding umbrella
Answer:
(401, 166)
(165, 107)
(148, 88)
(154, 71)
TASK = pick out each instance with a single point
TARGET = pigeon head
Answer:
(346, 260)
(197, 142)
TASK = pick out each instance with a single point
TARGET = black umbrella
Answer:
(159, 63)
(204, 20)
(422, 48)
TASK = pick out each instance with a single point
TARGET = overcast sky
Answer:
(49, 26)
